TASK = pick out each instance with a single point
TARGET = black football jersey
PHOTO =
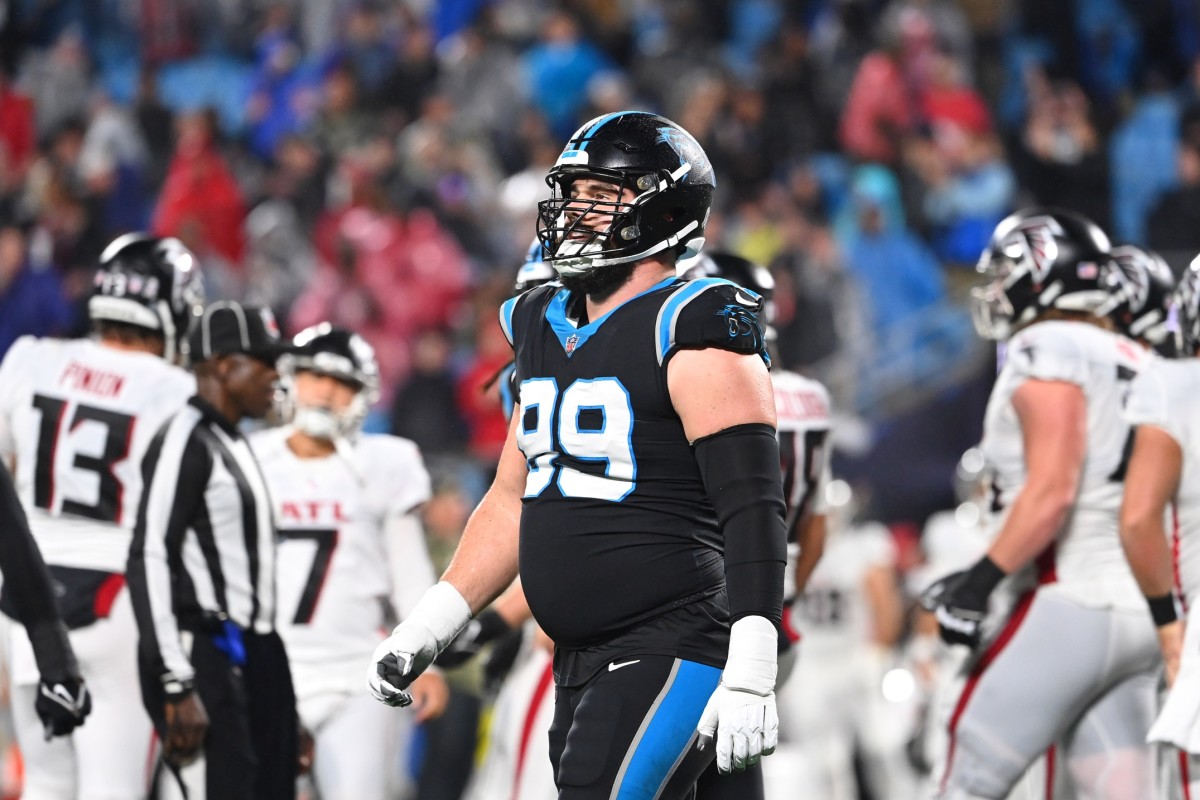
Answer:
(617, 528)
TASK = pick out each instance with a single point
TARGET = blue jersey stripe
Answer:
(506, 317)
(504, 381)
(668, 732)
(664, 334)
(564, 329)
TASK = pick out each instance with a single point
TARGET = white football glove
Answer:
(741, 712)
(436, 619)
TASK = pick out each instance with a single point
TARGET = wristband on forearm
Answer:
(983, 577)
(1163, 609)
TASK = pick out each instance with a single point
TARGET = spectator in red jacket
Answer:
(17, 137)
(201, 192)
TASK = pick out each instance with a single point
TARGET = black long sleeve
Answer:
(28, 584)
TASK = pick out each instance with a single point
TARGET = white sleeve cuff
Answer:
(753, 649)
(442, 611)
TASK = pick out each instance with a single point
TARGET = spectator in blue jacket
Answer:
(32, 301)
(558, 70)
(896, 271)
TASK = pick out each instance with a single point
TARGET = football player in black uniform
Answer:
(63, 701)
(640, 483)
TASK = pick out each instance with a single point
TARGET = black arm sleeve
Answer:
(27, 582)
(740, 466)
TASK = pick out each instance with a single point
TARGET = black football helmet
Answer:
(534, 271)
(1041, 258)
(152, 283)
(341, 354)
(743, 272)
(1139, 306)
(664, 168)
(1186, 304)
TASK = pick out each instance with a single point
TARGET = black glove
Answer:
(484, 628)
(960, 601)
(501, 659)
(62, 705)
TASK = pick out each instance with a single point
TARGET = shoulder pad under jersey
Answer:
(710, 312)
(1052, 351)
(514, 310)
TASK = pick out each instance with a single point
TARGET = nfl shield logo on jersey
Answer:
(572, 340)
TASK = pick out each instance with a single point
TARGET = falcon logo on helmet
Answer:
(1034, 239)
(1142, 286)
(1038, 259)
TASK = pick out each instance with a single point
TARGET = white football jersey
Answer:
(1086, 560)
(334, 572)
(1165, 395)
(803, 421)
(77, 417)
(832, 613)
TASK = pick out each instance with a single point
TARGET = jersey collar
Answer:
(570, 335)
(213, 415)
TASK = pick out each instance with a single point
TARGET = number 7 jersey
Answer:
(1086, 559)
(335, 573)
(616, 526)
(77, 417)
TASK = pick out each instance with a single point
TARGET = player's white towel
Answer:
(1179, 721)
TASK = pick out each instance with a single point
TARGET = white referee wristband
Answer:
(753, 649)
(442, 611)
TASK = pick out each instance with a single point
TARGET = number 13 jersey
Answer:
(617, 528)
(77, 417)
(1086, 559)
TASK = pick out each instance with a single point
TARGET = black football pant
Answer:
(630, 731)
(251, 748)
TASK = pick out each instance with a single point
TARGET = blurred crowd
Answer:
(377, 163)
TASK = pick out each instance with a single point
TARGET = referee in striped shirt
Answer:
(201, 574)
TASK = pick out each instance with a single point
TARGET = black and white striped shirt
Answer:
(204, 544)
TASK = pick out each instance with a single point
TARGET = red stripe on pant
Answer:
(1050, 753)
(539, 694)
(990, 655)
(1184, 777)
(1176, 544)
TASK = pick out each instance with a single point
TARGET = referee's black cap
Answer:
(227, 327)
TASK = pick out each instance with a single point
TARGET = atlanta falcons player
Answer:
(1163, 478)
(77, 416)
(351, 542)
(1139, 305)
(1056, 438)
